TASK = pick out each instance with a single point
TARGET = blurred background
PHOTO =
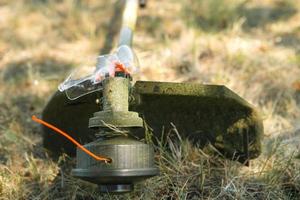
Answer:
(252, 47)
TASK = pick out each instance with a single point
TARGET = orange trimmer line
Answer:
(99, 158)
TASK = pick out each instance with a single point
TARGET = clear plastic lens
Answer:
(78, 76)
(127, 56)
(82, 89)
(75, 87)
(87, 79)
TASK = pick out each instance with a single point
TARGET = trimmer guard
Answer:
(202, 113)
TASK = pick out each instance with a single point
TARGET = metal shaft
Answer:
(115, 106)
(115, 94)
(128, 22)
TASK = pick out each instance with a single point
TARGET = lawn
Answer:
(252, 47)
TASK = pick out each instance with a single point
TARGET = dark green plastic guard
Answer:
(203, 113)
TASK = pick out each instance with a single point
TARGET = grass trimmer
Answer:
(103, 110)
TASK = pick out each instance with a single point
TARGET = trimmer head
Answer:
(130, 160)
(205, 114)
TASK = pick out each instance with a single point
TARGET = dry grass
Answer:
(253, 47)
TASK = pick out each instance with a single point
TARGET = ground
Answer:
(252, 47)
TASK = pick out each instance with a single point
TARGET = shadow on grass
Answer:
(44, 67)
(289, 40)
(217, 15)
(113, 27)
(262, 15)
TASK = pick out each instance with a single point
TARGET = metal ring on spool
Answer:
(132, 161)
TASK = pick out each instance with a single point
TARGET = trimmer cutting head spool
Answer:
(131, 161)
